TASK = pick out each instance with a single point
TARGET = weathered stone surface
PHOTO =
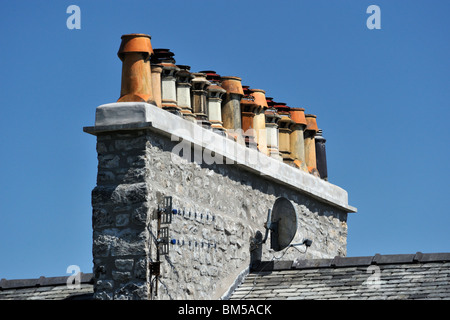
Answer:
(221, 207)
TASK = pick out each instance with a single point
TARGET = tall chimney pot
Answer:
(184, 85)
(310, 147)
(321, 156)
(231, 105)
(297, 138)
(214, 100)
(259, 121)
(199, 99)
(134, 52)
(168, 80)
(284, 132)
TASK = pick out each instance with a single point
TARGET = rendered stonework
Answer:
(186, 181)
(142, 158)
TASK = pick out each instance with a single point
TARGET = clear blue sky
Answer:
(382, 98)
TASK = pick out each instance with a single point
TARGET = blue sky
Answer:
(382, 98)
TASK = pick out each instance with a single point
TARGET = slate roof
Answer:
(398, 277)
(53, 288)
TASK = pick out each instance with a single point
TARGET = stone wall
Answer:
(220, 209)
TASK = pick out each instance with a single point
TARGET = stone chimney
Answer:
(310, 144)
(296, 138)
(165, 227)
(321, 156)
(135, 51)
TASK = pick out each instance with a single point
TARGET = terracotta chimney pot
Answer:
(310, 148)
(311, 122)
(134, 52)
(284, 132)
(232, 85)
(135, 42)
(259, 122)
(298, 115)
(297, 137)
(248, 112)
(231, 105)
(156, 70)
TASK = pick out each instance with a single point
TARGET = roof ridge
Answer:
(339, 261)
(43, 281)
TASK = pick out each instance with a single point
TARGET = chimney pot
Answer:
(297, 137)
(311, 123)
(135, 42)
(259, 122)
(183, 83)
(136, 84)
(168, 80)
(298, 115)
(310, 145)
(231, 105)
(284, 132)
(321, 156)
(199, 99)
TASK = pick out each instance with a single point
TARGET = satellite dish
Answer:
(282, 222)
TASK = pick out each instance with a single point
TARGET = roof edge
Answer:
(338, 261)
(43, 281)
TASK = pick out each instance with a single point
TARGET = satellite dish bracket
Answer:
(269, 225)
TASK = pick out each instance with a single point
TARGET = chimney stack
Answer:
(310, 147)
(135, 51)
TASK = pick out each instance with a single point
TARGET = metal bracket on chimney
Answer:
(164, 213)
(163, 216)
